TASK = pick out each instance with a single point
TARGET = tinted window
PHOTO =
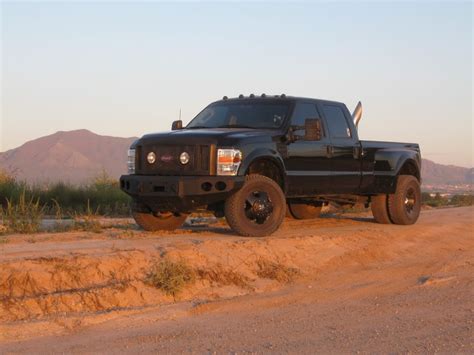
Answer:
(242, 114)
(336, 121)
(301, 112)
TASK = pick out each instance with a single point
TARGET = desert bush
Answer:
(276, 271)
(24, 216)
(462, 200)
(103, 193)
(170, 276)
(439, 201)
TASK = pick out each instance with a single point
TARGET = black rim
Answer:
(410, 201)
(258, 207)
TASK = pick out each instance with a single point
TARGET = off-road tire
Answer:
(304, 211)
(379, 206)
(235, 205)
(405, 204)
(152, 223)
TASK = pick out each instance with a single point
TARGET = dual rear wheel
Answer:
(403, 206)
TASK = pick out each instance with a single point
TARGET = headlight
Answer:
(184, 158)
(151, 158)
(131, 161)
(228, 161)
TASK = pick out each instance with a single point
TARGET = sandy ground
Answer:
(360, 287)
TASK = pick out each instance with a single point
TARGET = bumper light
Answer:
(228, 161)
(131, 161)
(151, 158)
(184, 158)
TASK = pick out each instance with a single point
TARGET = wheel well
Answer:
(269, 169)
(410, 168)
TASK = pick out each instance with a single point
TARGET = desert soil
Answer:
(340, 285)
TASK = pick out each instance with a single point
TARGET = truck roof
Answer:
(282, 97)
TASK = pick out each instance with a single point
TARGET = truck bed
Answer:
(377, 145)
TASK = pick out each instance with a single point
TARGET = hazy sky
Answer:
(124, 69)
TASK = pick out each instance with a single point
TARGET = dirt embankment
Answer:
(59, 282)
(48, 276)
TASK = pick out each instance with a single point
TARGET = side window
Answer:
(336, 121)
(301, 112)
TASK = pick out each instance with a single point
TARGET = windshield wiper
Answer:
(235, 126)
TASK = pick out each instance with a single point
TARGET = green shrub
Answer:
(462, 200)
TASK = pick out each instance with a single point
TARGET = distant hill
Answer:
(438, 174)
(78, 156)
(74, 156)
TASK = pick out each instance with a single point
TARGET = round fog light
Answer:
(184, 158)
(151, 157)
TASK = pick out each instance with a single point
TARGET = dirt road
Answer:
(360, 287)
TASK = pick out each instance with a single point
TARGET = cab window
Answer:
(336, 121)
(301, 112)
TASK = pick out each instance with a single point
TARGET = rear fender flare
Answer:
(390, 163)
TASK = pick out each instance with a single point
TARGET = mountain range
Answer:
(74, 156)
(79, 156)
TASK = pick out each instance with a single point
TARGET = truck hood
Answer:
(218, 136)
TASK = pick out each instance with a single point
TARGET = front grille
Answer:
(167, 160)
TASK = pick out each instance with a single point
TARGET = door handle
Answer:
(329, 151)
(358, 152)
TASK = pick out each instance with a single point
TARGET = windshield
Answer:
(242, 114)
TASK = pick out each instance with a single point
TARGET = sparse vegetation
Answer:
(24, 216)
(438, 200)
(62, 200)
(222, 276)
(170, 276)
(89, 221)
(276, 271)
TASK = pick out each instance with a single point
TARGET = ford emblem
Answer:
(166, 158)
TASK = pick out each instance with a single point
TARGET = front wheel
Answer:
(153, 222)
(405, 204)
(257, 209)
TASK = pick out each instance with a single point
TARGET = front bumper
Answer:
(179, 193)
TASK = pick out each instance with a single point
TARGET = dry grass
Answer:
(276, 271)
(22, 217)
(170, 276)
(89, 221)
(221, 276)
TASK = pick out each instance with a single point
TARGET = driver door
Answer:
(308, 167)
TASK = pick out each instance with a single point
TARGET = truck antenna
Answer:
(180, 114)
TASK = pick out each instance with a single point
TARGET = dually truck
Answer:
(256, 159)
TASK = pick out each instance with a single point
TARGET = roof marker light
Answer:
(252, 96)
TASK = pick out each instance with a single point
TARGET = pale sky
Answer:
(126, 69)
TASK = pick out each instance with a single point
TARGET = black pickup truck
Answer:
(255, 159)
